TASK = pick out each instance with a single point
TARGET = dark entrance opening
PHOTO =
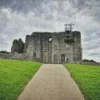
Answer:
(34, 55)
(67, 60)
(62, 58)
(55, 59)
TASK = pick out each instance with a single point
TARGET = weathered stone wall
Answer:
(57, 47)
(18, 46)
(89, 62)
(5, 55)
(15, 56)
(29, 46)
(19, 56)
(77, 47)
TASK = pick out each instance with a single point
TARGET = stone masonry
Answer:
(55, 47)
(18, 46)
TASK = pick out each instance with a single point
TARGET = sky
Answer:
(19, 18)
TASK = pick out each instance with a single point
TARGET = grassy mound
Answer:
(14, 75)
(88, 79)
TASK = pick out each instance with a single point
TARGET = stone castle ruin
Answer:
(51, 47)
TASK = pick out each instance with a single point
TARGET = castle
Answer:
(51, 47)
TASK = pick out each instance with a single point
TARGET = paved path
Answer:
(51, 82)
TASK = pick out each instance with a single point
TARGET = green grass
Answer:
(14, 75)
(88, 79)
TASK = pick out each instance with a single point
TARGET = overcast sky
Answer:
(21, 17)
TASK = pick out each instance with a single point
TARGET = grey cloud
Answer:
(95, 54)
(92, 46)
(20, 5)
(5, 3)
(21, 17)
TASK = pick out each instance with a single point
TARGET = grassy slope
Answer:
(88, 79)
(14, 75)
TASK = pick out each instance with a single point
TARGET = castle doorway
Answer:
(34, 55)
(62, 58)
(55, 59)
(67, 60)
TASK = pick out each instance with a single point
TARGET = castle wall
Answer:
(77, 47)
(66, 49)
(29, 46)
(44, 48)
(54, 47)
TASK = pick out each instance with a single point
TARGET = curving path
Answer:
(51, 82)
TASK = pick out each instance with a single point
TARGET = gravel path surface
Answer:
(51, 82)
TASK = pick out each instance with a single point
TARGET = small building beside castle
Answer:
(52, 47)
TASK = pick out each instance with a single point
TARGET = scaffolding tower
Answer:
(68, 27)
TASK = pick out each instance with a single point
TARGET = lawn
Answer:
(88, 79)
(14, 75)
